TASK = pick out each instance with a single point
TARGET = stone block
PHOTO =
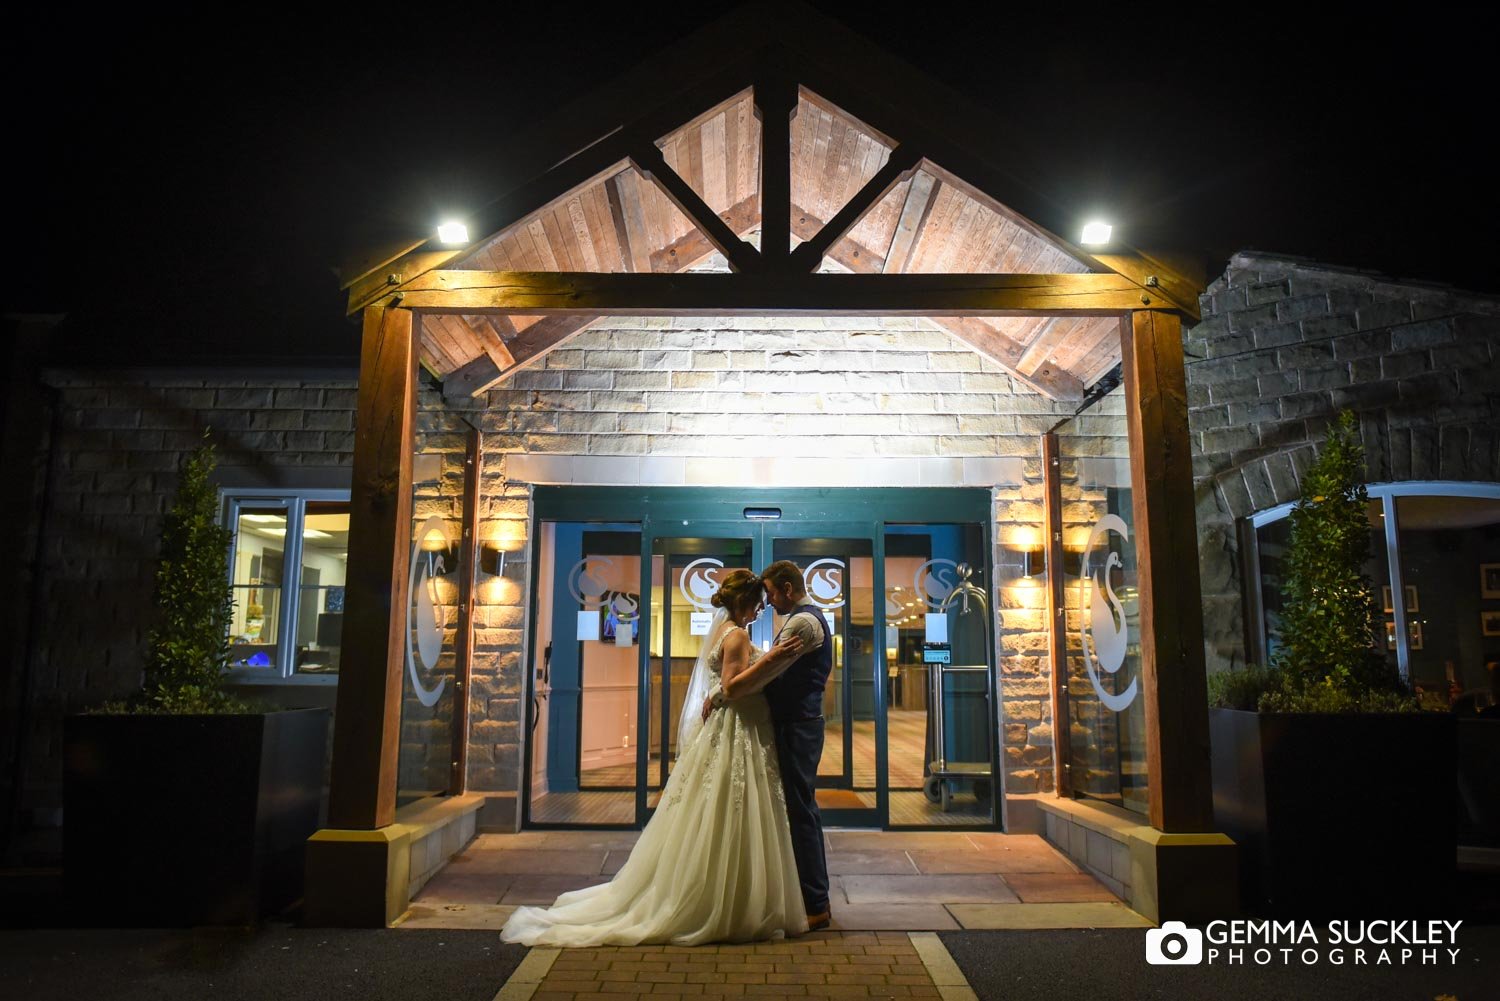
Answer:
(1385, 313)
(1362, 344)
(1468, 353)
(1271, 384)
(1425, 334)
(1262, 293)
(637, 381)
(1256, 316)
(1318, 328)
(1291, 310)
(1324, 377)
(1277, 335)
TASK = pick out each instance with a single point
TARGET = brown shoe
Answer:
(817, 922)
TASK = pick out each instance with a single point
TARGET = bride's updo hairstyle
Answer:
(739, 591)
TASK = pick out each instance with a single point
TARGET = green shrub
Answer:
(188, 650)
(1328, 661)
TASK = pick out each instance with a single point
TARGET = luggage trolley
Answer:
(943, 771)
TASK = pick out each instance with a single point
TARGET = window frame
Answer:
(283, 671)
(1386, 493)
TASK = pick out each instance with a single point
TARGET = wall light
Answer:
(453, 233)
(496, 554)
(1096, 233)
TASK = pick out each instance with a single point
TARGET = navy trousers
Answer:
(799, 747)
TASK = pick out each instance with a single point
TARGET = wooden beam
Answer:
(1173, 289)
(740, 255)
(693, 246)
(1173, 684)
(775, 106)
(617, 217)
(1049, 380)
(531, 344)
(366, 743)
(940, 129)
(914, 212)
(464, 638)
(592, 164)
(770, 294)
(898, 167)
(1057, 618)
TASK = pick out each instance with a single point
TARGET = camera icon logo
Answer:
(1174, 944)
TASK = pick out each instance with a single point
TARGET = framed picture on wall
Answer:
(1411, 598)
(1489, 580)
(1489, 623)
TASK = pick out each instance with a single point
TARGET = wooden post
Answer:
(1171, 612)
(464, 652)
(366, 734)
(775, 105)
(1057, 618)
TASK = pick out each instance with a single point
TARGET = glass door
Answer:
(685, 573)
(840, 567)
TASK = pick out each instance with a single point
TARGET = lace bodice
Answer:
(716, 659)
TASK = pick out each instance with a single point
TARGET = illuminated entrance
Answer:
(623, 583)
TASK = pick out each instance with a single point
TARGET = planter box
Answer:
(1338, 815)
(186, 820)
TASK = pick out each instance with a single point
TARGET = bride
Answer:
(715, 863)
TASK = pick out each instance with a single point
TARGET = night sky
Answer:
(186, 187)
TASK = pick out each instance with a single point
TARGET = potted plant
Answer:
(185, 804)
(1327, 772)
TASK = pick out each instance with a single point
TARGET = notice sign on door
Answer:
(699, 622)
(588, 625)
(937, 627)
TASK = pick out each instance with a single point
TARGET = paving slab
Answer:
(876, 863)
(456, 916)
(968, 888)
(1057, 887)
(542, 889)
(1073, 915)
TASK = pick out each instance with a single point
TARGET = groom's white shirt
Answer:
(800, 625)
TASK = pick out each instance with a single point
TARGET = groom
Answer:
(794, 690)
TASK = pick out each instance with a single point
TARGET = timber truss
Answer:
(789, 174)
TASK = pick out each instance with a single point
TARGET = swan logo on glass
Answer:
(587, 585)
(1105, 630)
(934, 581)
(699, 582)
(825, 583)
(427, 616)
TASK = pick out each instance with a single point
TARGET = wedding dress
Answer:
(715, 862)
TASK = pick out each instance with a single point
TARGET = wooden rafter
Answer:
(1049, 380)
(740, 255)
(899, 167)
(920, 195)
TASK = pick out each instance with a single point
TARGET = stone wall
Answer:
(1285, 344)
(111, 469)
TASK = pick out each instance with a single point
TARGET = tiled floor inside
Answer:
(887, 881)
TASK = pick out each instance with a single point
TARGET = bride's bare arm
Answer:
(750, 678)
(736, 657)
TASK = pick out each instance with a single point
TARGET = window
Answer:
(289, 556)
(1434, 569)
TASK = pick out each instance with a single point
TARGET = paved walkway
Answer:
(881, 881)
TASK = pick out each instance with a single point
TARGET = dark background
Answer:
(184, 183)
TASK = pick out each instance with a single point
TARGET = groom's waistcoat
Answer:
(797, 693)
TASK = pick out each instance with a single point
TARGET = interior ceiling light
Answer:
(453, 233)
(1096, 233)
